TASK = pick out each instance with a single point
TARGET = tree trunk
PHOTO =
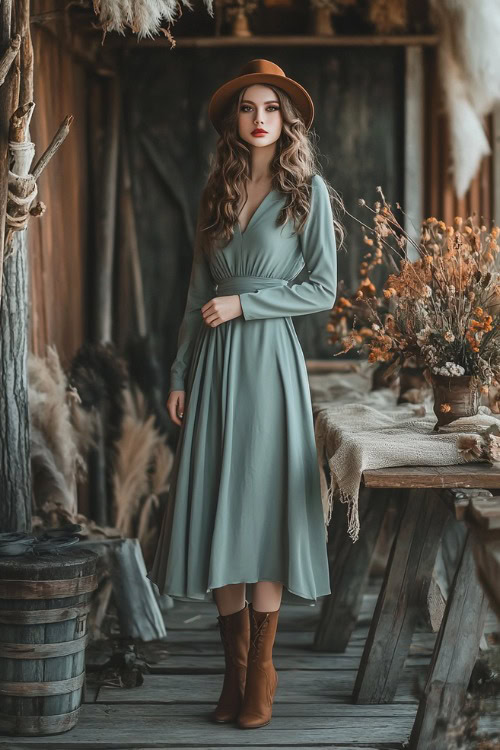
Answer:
(15, 470)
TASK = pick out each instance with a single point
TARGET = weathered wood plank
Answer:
(110, 726)
(293, 710)
(409, 571)
(454, 656)
(479, 475)
(214, 664)
(309, 686)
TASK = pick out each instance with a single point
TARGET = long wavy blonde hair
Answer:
(292, 167)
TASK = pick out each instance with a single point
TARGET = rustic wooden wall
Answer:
(58, 241)
(359, 96)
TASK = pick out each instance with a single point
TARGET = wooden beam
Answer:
(107, 221)
(414, 145)
(337, 40)
(480, 475)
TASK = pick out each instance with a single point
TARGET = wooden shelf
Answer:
(366, 40)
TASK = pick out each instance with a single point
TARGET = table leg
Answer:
(454, 656)
(408, 572)
(349, 569)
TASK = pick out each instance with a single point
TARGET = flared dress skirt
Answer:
(244, 502)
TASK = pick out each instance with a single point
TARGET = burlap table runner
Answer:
(357, 429)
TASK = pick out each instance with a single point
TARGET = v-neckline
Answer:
(242, 233)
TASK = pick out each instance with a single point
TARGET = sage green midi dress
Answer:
(244, 502)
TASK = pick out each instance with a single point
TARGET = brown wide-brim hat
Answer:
(260, 71)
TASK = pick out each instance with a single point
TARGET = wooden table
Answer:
(422, 498)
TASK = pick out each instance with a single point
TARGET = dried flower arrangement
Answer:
(444, 307)
(388, 16)
(351, 308)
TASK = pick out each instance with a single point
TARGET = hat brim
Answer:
(222, 96)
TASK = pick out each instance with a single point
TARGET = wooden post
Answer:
(103, 331)
(349, 568)
(15, 470)
(102, 325)
(414, 144)
(454, 656)
(408, 572)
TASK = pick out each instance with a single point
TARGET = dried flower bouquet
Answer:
(444, 307)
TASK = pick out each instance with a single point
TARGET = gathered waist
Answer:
(240, 284)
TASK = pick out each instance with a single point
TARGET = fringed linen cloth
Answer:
(357, 430)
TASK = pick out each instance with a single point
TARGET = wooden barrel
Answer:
(44, 602)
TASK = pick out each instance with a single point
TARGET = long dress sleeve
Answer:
(319, 249)
(201, 289)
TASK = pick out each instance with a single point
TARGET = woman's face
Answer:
(259, 111)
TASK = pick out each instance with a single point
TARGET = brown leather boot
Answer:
(235, 635)
(262, 678)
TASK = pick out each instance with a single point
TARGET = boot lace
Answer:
(256, 637)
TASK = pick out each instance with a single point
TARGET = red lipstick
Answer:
(259, 131)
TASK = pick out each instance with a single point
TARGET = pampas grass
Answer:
(57, 444)
(143, 17)
(141, 472)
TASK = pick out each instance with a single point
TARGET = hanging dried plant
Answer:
(144, 17)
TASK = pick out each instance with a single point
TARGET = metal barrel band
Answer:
(36, 689)
(56, 589)
(42, 616)
(42, 650)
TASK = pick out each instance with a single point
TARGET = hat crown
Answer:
(261, 66)
(259, 71)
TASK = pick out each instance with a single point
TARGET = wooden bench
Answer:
(422, 498)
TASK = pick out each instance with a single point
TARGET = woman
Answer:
(244, 503)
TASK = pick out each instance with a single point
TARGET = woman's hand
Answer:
(220, 309)
(175, 406)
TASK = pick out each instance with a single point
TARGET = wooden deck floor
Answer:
(312, 706)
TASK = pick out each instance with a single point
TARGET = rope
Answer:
(20, 222)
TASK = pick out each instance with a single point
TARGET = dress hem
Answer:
(230, 583)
